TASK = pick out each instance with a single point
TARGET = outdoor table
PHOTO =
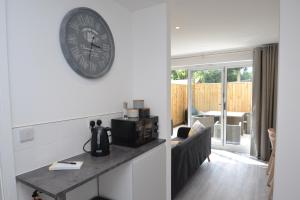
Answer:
(232, 117)
(229, 114)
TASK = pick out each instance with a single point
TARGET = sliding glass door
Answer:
(218, 97)
(237, 113)
(221, 98)
(207, 101)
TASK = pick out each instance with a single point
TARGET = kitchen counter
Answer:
(57, 183)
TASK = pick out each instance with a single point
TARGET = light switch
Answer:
(26, 134)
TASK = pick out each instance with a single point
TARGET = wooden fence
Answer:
(207, 96)
(178, 102)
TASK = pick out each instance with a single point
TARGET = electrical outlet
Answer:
(26, 135)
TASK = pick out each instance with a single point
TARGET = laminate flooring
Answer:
(228, 176)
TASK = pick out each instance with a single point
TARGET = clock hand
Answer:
(96, 46)
(91, 49)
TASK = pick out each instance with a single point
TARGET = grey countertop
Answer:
(55, 183)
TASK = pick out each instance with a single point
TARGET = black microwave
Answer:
(134, 132)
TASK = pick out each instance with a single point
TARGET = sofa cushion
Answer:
(183, 132)
(196, 128)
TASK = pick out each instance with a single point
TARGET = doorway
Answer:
(219, 97)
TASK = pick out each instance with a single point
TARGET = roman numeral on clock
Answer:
(82, 61)
(75, 52)
(89, 21)
(75, 26)
(92, 67)
(81, 20)
(72, 39)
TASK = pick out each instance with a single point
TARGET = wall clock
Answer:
(87, 42)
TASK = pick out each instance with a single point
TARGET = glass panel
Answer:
(206, 107)
(179, 99)
(239, 108)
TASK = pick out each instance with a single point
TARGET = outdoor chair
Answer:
(233, 133)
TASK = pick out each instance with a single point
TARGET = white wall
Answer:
(151, 69)
(1, 191)
(43, 87)
(47, 95)
(287, 162)
(6, 150)
(151, 74)
(45, 92)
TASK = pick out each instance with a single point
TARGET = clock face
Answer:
(87, 42)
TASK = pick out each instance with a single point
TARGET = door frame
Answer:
(7, 163)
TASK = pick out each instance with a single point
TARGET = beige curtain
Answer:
(264, 100)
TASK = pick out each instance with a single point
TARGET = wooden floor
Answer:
(228, 176)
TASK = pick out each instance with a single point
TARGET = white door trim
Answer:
(6, 142)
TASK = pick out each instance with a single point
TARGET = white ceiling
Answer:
(213, 25)
(134, 5)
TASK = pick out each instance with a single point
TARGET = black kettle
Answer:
(99, 140)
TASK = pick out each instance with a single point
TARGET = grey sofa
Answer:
(188, 155)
